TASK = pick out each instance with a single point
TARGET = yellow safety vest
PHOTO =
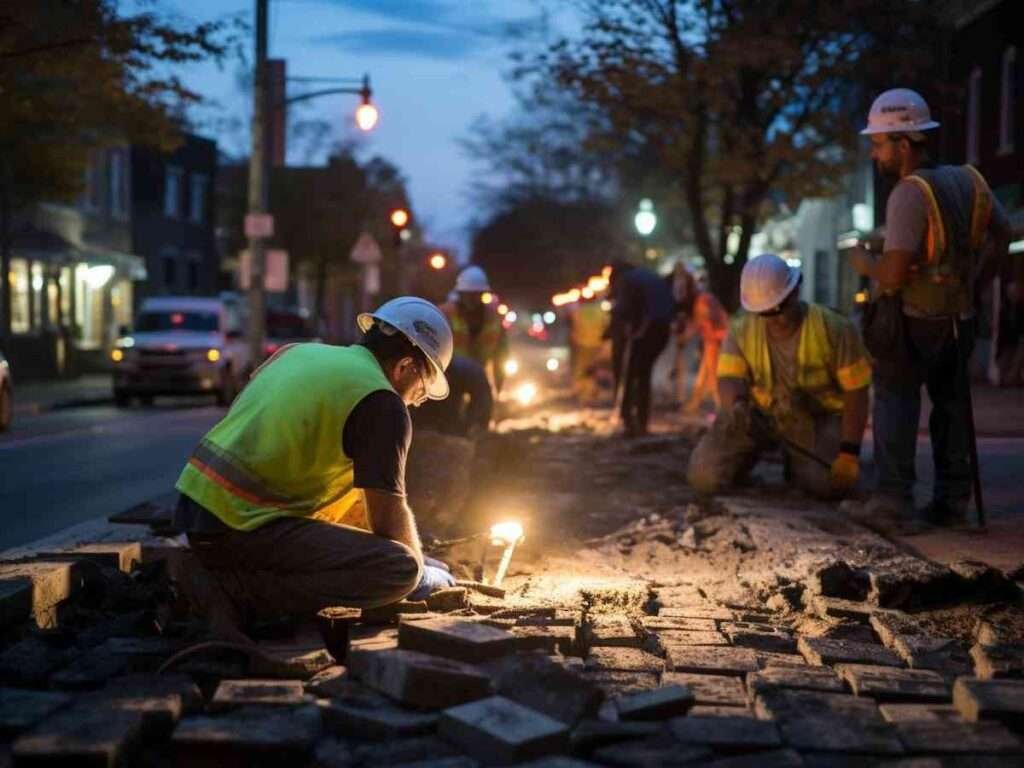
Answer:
(589, 322)
(485, 346)
(817, 374)
(278, 451)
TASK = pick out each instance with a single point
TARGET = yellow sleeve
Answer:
(731, 363)
(853, 368)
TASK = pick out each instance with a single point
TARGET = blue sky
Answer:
(434, 65)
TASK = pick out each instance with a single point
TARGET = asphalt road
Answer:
(65, 467)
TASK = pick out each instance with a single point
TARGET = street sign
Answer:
(259, 225)
(275, 270)
(366, 250)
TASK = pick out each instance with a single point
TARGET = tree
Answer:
(738, 99)
(78, 76)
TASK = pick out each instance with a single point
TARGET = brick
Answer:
(15, 601)
(841, 734)
(444, 600)
(247, 736)
(908, 713)
(240, 693)
(614, 683)
(328, 682)
(767, 659)
(696, 612)
(81, 736)
(122, 555)
(774, 758)
(890, 624)
(455, 639)
(547, 639)
(545, 612)
(958, 737)
(742, 636)
(805, 678)
(714, 710)
(418, 679)
(649, 753)
(679, 625)
(731, 734)
(665, 638)
(560, 618)
(610, 631)
(890, 684)
(544, 685)
(30, 661)
(998, 661)
(389, 614)
(159, 712)
(591, 734)
(941, 654)
(53, 582)
(909, 582)
(402, 751)
(990, 699)
(656, 704)
(710, 689)
(498, 730)
(838, 608)
(786, 704)
(624, 660)
(153, 685)
(711, 660)
(90, 670)
(825, 650)
(363, 719)
(21, 709)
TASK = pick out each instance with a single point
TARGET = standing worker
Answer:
(295, 500)
(476, 325)
(946, 237)
(708, 320)
(789, 373)
(642, 313)
(588, 322)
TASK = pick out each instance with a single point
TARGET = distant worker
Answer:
(683, 286)
(790, 374)
(467, 410)
(588, 322)
(946, 236)
(476, 325)
(709, 321)
(295, 500)
(642, 312)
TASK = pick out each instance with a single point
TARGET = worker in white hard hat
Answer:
(790, 374)
(296, 501)
(946, 236)
(476, 325)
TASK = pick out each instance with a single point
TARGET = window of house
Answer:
(92, 195)
(193, 272)
(170, 269)
(172, 192)
(118, 183)
(974, 116)
(198, 183)
(1008, 83)
(19, 279)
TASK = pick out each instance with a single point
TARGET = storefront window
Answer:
(88, 308)
(19, 281)
(65, 296)
(38, 283)
(52, 303)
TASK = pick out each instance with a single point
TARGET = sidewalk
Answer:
(32, 397)
(998, 411)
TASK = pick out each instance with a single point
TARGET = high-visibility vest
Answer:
(817, 374)
(589, 322)
(943, 283)
(483, 347)
(278, 451)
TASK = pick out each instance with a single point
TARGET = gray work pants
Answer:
(730, 449)
(295, 567)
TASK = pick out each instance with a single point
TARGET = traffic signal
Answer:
(399, 219)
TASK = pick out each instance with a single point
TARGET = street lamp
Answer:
(645, 219)
(438, 261)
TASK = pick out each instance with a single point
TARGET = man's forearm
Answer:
(390, 516)
(855, 416)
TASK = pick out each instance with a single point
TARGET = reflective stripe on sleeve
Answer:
(733, 366)
(854, 376)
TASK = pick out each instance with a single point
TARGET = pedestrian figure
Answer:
(946, 237)
(790, 374)
(588, 323)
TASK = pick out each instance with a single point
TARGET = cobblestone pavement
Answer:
(639, 625)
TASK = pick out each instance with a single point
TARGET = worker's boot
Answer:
(885, 514)
(945, 513)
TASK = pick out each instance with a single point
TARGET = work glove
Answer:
(845, 471)
(434, 577)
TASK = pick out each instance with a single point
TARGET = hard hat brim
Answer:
(439, 388)
(869, 131)
(794, 278)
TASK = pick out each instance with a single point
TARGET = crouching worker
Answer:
(790, 374)
(295, 501)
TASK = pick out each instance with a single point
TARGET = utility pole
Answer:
(259, 202)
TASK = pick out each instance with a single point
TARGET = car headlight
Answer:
(213, 354)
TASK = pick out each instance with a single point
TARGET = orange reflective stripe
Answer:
(854, 376)
(981, 213)
(734, 366)
(219, 468)
(935, 238)
(228, 485)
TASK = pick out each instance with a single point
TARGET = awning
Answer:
(49, 248)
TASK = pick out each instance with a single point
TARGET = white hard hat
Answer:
(899, 110)
(425, 326)
(765, 282)
(472, 280)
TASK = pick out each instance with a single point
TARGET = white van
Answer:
(182, 345)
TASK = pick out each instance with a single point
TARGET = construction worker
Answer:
(476, 325)
(588, 322)
(946, 236)
(792, 374)
(295, 500)
(707, 319)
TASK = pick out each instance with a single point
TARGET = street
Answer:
(65, 467)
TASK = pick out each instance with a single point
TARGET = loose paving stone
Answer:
(657, 704)
(31, 661)
(499, 731)
(613, 632)
(727, 734)
(122, 555)
(710, 660)
(659, 623)
(823, 650)
(806, 678)
(90, 670)
(591, 734)
(714, 710)
(910, 582)
(624, 660)
(445, 600)
(542, 684)
(613, 683)
(374, 720)
(889, 684)
(787, 704)
(696, 612)
(15, 601)
(159, 712)
(539, 612)
(455, 639)
(240, 693)
(85, 736)
(649, 754)
(837, 608)
(1001, 700)
(667, 637)
(21, 709)
(710, 689)
(775, 758)
(841, 734)
(998, 661)
(402, 751)
(951, 737)
(766, 659)
(778, 642)
(559, 618)
(153, 685)
(891, 624)
(941, 654)
(418, 679)
(390, 614)
(53, 582)
(910, 713)
(328, 682)
(248, 736)
(547, 639)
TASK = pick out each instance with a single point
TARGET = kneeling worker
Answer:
(790, 373)
(295, 501)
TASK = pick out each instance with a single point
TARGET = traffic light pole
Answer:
(259, 202)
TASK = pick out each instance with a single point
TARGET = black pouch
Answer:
(884, 329)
